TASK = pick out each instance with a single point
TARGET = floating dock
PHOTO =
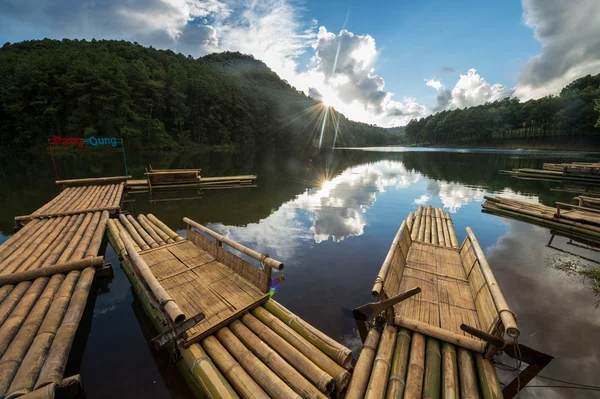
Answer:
(585, 173)
(212, 309)
(439, 342)
(578, 222)
(47, 269)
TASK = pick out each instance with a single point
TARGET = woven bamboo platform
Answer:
(419, 349)
(574, 221)
(46, 273)
(262, 351)
(77, 200)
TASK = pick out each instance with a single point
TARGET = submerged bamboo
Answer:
(232, 370)
(364, 365)
(397, 380)
(308, 369)
(381, 366)
(267, 379)
(339, 353)
(170, 307)
(275, 362)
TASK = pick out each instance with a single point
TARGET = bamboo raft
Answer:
(79, 200)
(587, 173)
(144, 185)
(46, 273)
(577, 222)
(420, 349)
(242, 344)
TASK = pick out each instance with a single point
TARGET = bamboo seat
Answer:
(456, 284)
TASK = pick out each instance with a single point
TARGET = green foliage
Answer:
(571, 114)
(158, 99)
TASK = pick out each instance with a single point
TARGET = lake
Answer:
(330, 217)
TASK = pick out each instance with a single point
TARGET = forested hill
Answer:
(158, 99)
(573, 116)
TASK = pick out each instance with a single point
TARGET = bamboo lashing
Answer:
(507, 317)
(157, 289)
(66, 267)
(264, 259)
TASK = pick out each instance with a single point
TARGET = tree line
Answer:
(573, 115)
(159, 99)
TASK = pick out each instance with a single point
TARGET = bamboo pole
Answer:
(11, 325)
(410, 220)
(447, 241)
(508, 319)
(109, 179)
(110, 195)
(364, 365)
(143, 222)
(433, 374)
(96, 241)
(53, 201)
(54, 366)
(133, 233)
(83, 201)
(275, 362)
(12, 299)
(164, 227)
(340, 375)
(66, 240)
(339, 353)
(170, 307)
(98, 196)
(44, 248)
(6, 266)
(112, 228)
(379, 280)
(422, 226)
(397, 379)
(86, 237)
(428, 225)
(440, 333)
(449, 372)
(227, 178)
(232, 370)
(468, 380)
(67, 213)
(4, 291)
(267, 379)
(263, 258)
(143, 233)
(440, 229)
(417, 224)
(15, 241)
(206, 374)
(119, 196)
(488, 380)
(434, 228)
(381, 366)
(451, 232)
(63, 200)
(319, 378)
(416, 364)
(46, 271)
(164, 236)
(27, 374)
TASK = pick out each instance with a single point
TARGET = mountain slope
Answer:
(154, 98)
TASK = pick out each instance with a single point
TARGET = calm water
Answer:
(331, 218)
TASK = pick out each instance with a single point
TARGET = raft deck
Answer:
(46, 273)
(258, 349)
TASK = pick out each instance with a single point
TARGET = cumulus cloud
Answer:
(470, 90)
(569, 34)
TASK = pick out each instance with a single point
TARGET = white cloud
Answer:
(569, 34)
(470, 90)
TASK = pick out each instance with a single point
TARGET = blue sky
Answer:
(394, 60)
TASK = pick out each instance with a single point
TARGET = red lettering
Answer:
(56, 140)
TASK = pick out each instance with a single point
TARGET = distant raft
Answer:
(576, 172)
(234, 340)
(421, 348)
